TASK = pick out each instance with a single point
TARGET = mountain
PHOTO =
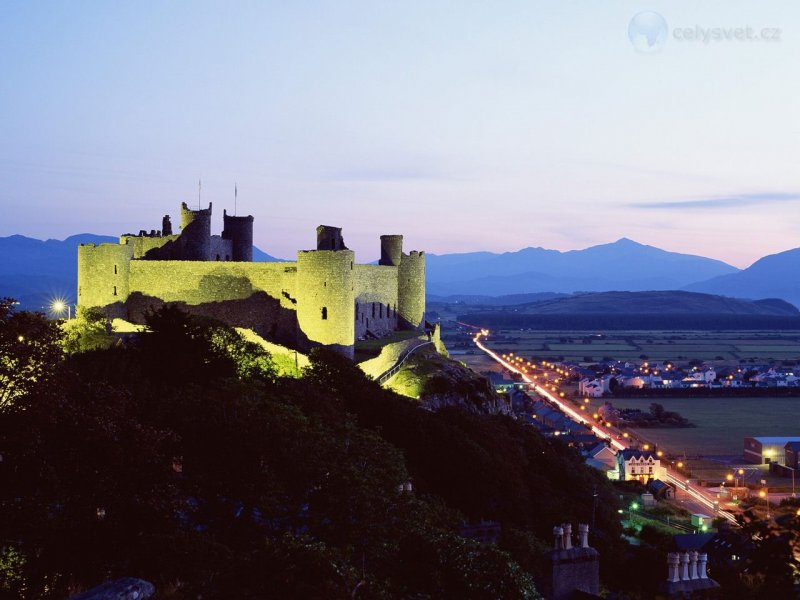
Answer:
(34, 272)
(772, 276)
(622, 265)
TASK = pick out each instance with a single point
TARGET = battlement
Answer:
(323, 298)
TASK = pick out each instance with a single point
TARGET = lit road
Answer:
(698, 493)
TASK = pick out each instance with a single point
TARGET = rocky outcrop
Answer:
(127, 588)
(439, 382)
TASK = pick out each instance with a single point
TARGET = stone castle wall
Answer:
(411, 290)
(103, 273)
(326, 284)
(142, 244)
(322, 299)
(376, 300)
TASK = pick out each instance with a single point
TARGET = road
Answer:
(697, 493)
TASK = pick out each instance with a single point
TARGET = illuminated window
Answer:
(324, 313)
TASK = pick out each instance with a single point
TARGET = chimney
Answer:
(693, 565)
(685, 567)
(673, 560)
(558, 532)
(702, 559)
(567, 527)
(583, 534)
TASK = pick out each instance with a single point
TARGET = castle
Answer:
(324, 298)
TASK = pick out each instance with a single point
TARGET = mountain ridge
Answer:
(623, 264)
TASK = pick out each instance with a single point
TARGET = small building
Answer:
(660, 490)
(701, 521)
(791, 453)
(764, 450)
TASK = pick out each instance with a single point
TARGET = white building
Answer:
(639, 465)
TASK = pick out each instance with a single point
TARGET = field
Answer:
(721, 423)
(724, 347)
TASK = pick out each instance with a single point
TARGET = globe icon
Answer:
(647, 31)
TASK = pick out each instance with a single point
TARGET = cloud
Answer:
(734, 201)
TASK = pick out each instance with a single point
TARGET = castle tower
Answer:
(326, 298)
(240, 231)
(391, 250)
(195, 237)
(330, 238)
(166, 226)
(103, 274)
(411, 290)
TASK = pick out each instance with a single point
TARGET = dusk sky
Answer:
(462, 125)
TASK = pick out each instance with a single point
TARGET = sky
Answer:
(463, 125)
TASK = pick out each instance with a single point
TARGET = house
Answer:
(603, 458)
(593, 388)
(639, 465)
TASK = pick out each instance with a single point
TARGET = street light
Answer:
(58, 306)
(763, 494)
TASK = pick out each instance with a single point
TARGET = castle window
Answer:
(115, 269)
(381, 311)
(115, 290)
(324, 313)
(356, 310)
(373, 310)
(324, 284)
(351, 265)
(388, 310)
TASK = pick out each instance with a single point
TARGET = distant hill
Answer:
(622, 265)
(774, 276)
(36, 271)
(509, 300)
(667, 302)
(641, 310)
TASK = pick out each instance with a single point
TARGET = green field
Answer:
(721, 423)
(729, 347)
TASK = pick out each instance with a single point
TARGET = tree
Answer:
(29, 352)
(89, 330)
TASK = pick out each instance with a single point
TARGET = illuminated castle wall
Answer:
(322, 299)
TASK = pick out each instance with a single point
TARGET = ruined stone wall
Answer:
(326, 290)
(259, 296)
(103, 274)
(411, 290)
(198, 282)
(376, 300)
(144, 244)
(221, 249)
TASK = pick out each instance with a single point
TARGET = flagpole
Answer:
(235, 196)
(199, 189)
